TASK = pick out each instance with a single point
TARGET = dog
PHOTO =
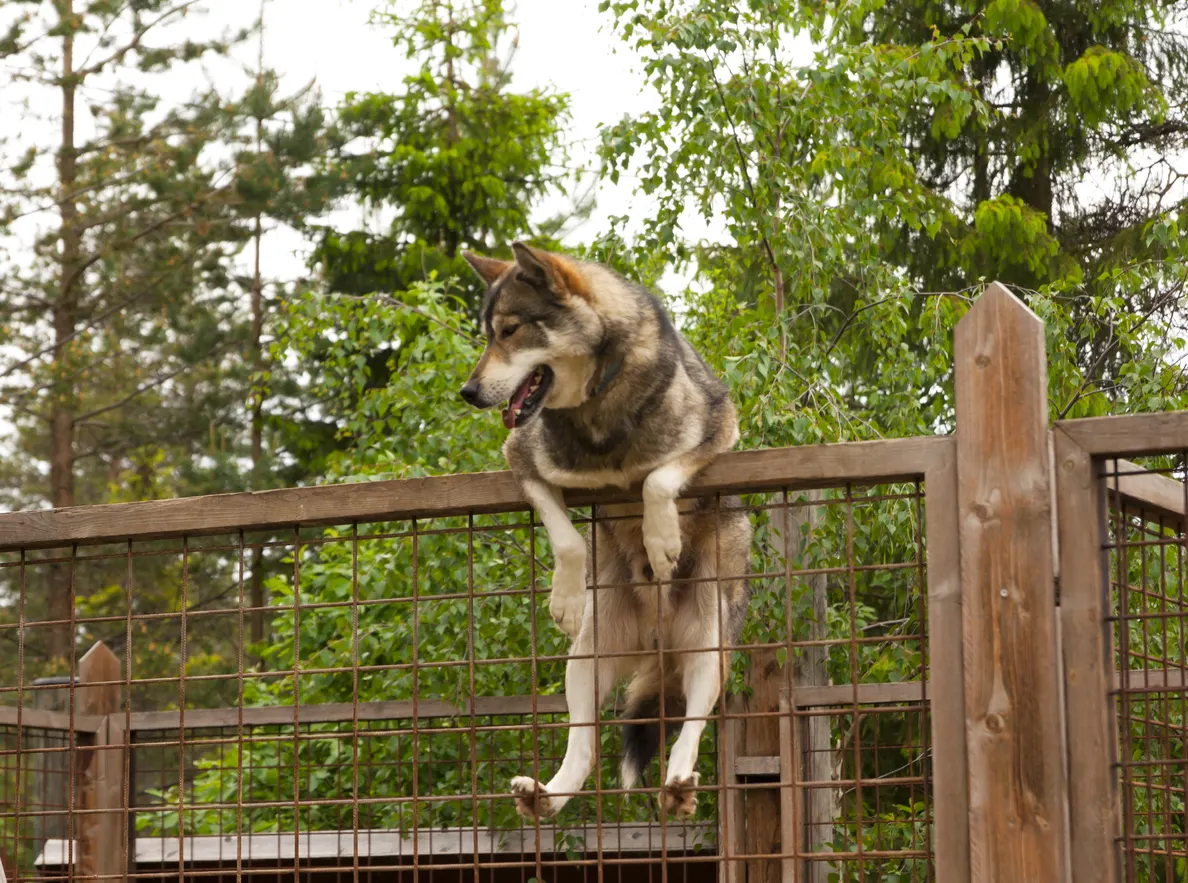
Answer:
(602, 390)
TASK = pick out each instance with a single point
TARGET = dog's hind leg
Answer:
(701, 683)
(709, 620)
(534, 800)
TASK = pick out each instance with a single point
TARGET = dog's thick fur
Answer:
(604, 391)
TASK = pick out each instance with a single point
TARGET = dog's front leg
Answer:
(567, 601)
(661, 520)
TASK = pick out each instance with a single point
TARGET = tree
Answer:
(279, 143)
(456, 160)
(119, 299)
(1079, 91)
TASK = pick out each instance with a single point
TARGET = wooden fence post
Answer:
(946, 671)
(1017, 788)
(102, 836)
(1088, 665)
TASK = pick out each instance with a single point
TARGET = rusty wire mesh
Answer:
(1146, 549)
(410, 668)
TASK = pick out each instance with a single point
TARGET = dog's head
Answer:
(542, 334)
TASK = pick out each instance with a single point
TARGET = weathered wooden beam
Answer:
(483, 706)
(1017, 789)
(265, 848)
(1129, 435)
(38, 718)
(946, 671)
(1149, 494)
(1088, 663)
(102, 837)
(810, 466)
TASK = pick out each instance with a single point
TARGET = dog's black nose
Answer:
(470, 392)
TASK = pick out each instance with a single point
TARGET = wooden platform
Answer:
(633, 839)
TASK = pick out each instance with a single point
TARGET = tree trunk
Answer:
(63, 406)
(257, 582)
(257, 355)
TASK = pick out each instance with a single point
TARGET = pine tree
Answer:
(115, 310)
(457, 159)
(279, 142)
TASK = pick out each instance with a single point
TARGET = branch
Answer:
(141, 234)
(91, 324)
(155, 382)
(134, 43)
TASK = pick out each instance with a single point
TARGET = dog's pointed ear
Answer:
(488, 269)
(559, 273)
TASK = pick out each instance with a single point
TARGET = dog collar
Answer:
(607, 376)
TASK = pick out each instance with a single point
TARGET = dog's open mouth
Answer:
(525, 401)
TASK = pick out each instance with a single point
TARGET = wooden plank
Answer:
(1149, 494)
(946, 672)
(730, 813)
(791, 825)
(815, 806)
(1017, 790)
(1088, 663)
(809, 466)
(37, 718)
(616, 839)
(1153, 680)
(868, 694)
(484, 706)
(102, 826)
(761, 737)
(337, 712)
(1129, 435)
(757, 767)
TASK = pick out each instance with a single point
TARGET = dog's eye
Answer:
(508, 330)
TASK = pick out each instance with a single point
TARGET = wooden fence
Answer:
(1047, 616)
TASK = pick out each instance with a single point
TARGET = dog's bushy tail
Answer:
(641, 737)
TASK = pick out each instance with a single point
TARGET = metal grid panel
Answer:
(1150, 614)
(35, 791)
(411, 668)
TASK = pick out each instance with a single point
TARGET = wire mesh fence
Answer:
(1149, 612)
(409, 669)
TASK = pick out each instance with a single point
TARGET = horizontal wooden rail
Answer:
(38, 718)
(1152, 680)
(872, 462)
(485, 706)
(1146, 494)
(1130, 435)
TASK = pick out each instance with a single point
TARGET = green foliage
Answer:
(1103, 82)
(1074, 92)
(388, 369)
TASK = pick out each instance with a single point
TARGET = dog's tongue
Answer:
(517, 399)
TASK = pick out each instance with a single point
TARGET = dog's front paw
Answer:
(678, 796)
(532, 800)
(662, 540)
(567, 609)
